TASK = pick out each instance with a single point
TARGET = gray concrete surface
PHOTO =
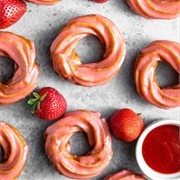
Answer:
(41, 24)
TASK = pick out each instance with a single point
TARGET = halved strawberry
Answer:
(11, 11)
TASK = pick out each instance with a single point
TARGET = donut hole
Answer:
(79, 144)
(6, 69)
(90, 49)
(2, 153)
(166, 75)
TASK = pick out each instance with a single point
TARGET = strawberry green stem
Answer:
(36, 101)
(40, 99)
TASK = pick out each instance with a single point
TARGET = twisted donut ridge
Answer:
(67, 63)
(44, 2)
(145, 75)
(15, 152)
(156, 9)
(24, 81)
(57, 144)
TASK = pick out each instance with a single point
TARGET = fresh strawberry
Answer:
(126, 125)
(48, 104)
(11, 11)
(99, 1)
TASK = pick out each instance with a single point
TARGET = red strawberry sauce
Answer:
(161, 149)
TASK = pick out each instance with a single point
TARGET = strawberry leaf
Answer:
(32, 101)
(34, 107)
(35, 102)
(36, 95)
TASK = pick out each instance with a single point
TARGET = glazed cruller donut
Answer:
(24, 81)
(156, 9)
(145, 74)
(57, 144)
(44, 2)
(125, 174)
(67, 63)
(15, 152)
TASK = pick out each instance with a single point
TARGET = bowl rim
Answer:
(138, 152)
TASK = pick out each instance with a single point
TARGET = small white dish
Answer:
(148, 171)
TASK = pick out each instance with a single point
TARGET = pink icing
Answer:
(15, 152)
(68, 64)
(160, 9)
(145, 75)
(58, 148)
(44, 2)
(125, 175)
(24, 81)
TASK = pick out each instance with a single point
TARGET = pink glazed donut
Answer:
(156, 9)
(145, 74)
(24, 81)
(44, 2)
(15, 152)
(125, 175)
(57, 144)
(67, 63)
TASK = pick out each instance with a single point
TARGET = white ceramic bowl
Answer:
(149, 172)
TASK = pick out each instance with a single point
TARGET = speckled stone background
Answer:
(41, 24)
